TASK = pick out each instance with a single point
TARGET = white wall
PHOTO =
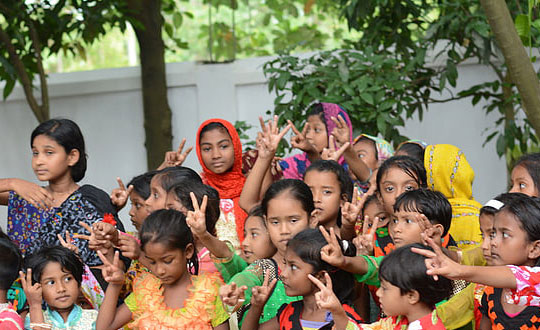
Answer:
(107, 104)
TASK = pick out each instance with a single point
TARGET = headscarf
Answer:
(229, 184)
(384, 149)
(449, 172)
(294, 167)
(420, 143)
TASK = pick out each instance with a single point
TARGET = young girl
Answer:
(169, 297)
(515, 240)
(287, 206)
(412, 148)
(54, 275)
(10, 265)
(36, 215)
(373, 151)
(449, 172)
(307, 275)
(138, 195)
(219, 150)
(526, 175)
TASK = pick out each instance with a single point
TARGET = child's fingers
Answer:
(365, 226)
(284, 131)
(103, 259)
(343, 148)
(318, 283)
(333, 238)
(129, 190)
(22, 276)
(120, 183)
(355, 196)
(328, 281)
(203, 204)
(86, 226)
(194, 201)
(337, 122)
(116, 260)
(325, 234)
(181, 146)
(305, 129)
(374, 226)
(295, 130)
(332, 143)
(61, 239)
(186, 153)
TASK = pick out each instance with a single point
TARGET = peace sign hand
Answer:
(341, 131)
(260, 294)
(120, 195)
(438, 263)
(331, 153)
(196, 219)
(351, 210)
(33, 292)
(112, 272)
(104, 246)
(175, 157)
(68, 242)
(428, 230)
(331, 253)
(231, 295)
(364, 242)
(326, 298)
(270, 137)
(299, 140)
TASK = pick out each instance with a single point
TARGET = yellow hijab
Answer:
(449, 172)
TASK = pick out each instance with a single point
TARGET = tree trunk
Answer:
(516, 58)
(157, 113)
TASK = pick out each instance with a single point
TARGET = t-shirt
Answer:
(9, 319)
(78, 318)
(492, 308)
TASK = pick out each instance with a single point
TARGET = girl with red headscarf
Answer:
(219, 151)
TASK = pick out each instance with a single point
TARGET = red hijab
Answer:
(229, 184)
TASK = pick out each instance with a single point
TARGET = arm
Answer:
(222, 326)
(36, 195)
(34, 297)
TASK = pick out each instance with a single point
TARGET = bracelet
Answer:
(41, 325)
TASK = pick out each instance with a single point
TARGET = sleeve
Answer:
(527, 292)
(131, 303)
(228, 267)
(458, 310)
(371, 277)
(250, 277)
(289, 170)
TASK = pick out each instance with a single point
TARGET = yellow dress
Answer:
(202, 309)
(449, 172)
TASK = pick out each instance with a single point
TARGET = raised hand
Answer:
(331, 253)
(103, 246)
(105, 231)
(112, 272)
(196, 219)
(129, 246)
(33, 292)
(299, 140)
(120, 195)
(351, 210)
(175, 157)
(438, 263)
(364, 242)
(31, 192)
(260, 294)
(341, 131)
(428, 229)
(331, 153)
(270, 137)
(231, 294)
(68, 242)
(326, 298)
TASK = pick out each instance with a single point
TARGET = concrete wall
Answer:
(107, 104)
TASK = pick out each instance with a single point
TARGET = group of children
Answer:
(346, 234)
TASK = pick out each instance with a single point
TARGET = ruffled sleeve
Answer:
(527, 292)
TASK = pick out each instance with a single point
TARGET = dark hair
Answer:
(371, 143)
(307, 245)
(169, 228)
(173, 175)
(407, 270)
(430, 203)
(210, 127)
(526, 210)
(68, 260)
(503, 198)
(67, 134)
(317, 109)
(531, 162)
(256, 211)
(411, 166)
(345, 182)
(10, 263)
(370, 199)
(296, 188)
(413, 150)
(200, 190)
(141, 184)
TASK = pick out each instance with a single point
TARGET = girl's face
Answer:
(522, 182)
(295, 275)
(510, 244)
(50, 161)
(285, 217)
(158, 196)
(486, 227)
(365, 150)
(172, 202)
(326, 195)
(217, 151)
(375, 210)
(393, 303)
(316, 134)
(138, 211)
(257, 243)
(59, 288)
(393, 183)
(169, 265)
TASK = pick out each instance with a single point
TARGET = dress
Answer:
(9, 319)
(289, 318)
(202, 309)
(430, 321)
(32, 228)
(527, 292)
(78, 319)
(492, 308)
